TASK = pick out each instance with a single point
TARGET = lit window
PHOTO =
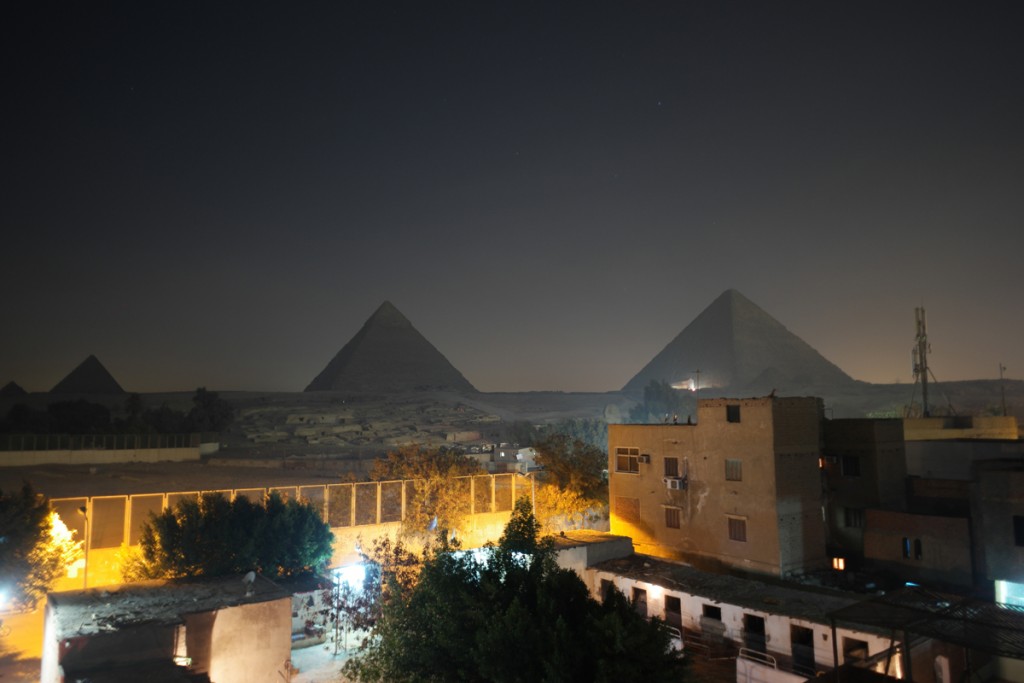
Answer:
(838, 563)
(627, 460)
(732, 413)
(733, 470)
(737, 529)
(672, 518)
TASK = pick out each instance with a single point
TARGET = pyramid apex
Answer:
(737, 345)
(89, 377)
(388, 314)
(389, 355)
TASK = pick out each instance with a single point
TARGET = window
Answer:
(1018, 530)
(733, 470)
(672, 518)
(853, 518)
(851, 465)
(626, 509)
(712, 612)
(854, 650)
(906, 548)
(732, 413)
(627, 460)
(671, 467)
(640, 601)
(737, 529)
(606, 589)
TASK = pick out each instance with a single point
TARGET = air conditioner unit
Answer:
(675, 483)
(645, 459)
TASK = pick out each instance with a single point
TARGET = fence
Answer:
(115, 520)
(81, 442)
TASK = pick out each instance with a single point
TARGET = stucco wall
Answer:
(766, 506)
(243, 644)
(944, 542)
(98, 456)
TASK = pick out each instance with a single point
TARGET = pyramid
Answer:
(90, 377)
(12, 390)
(736, 345)
(389, 355)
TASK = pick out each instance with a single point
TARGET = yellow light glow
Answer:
(838, 563)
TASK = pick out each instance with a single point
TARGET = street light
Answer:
(85, 568)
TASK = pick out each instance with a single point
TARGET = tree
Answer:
(211, 536)
(440, 499)
(210, 413)
(511, 615)
(35, 545)
(573, 465)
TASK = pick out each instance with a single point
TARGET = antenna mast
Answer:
(920, 355)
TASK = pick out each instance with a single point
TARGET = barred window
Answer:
(671, 467)
(853, 518)
(732, 413)
(737, 529)
(733, 470)
(672, 518)
(626, 509)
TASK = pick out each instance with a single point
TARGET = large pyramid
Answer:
(736, 345)
(90, 377)
(389, 355)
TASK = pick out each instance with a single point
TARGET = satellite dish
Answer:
(248, 581)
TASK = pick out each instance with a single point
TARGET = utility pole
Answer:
(921, 358)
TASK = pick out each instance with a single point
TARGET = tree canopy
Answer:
(211, 536)
(440, 500)
(510, 615)
(209, 413)
(35, 545)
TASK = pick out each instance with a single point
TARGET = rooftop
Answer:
(812, 603)
(110, 608)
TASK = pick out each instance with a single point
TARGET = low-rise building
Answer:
(229, 629)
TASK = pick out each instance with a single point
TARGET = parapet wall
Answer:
(98, 457)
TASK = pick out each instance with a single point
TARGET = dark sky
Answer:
(220, 194)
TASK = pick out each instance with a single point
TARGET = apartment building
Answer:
(740, 488)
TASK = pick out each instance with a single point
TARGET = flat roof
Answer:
(991, 627)
(811, 603)
(164, 602)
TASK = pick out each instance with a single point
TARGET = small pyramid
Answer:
(389, 355)
(733, 343)
(12, 390)
(90, 377)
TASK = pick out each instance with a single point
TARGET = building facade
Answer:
(740, 488)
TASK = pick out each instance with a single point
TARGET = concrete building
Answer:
(741, 488)
(864, 468)
(225, 629)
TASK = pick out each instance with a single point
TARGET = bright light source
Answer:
(838, 563)
(655, 592)
(352, 575)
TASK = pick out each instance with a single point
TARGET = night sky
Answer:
(220, 194)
